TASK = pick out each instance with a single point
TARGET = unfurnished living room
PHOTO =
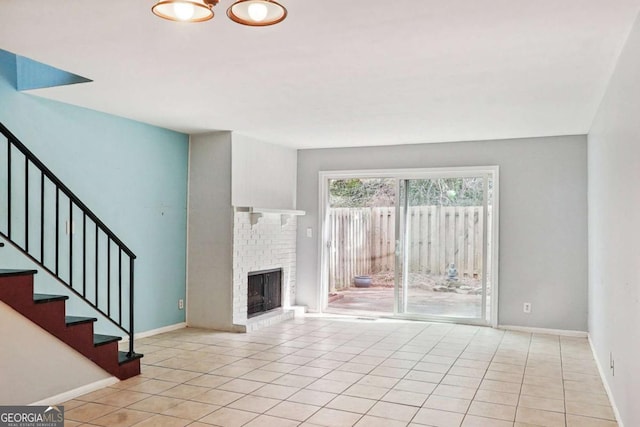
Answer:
(296, 213)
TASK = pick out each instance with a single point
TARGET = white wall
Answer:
(210, 232)
(543, 218)
(614, 231)
(35, 365)
(263, 174)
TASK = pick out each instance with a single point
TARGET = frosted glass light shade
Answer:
(257, 13)
(183, 10)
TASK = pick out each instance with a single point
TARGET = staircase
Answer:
(90, 261)
(48, 312)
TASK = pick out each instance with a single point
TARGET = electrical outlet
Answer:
(527, 307)
(181, 304)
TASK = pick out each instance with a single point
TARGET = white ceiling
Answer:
(336, 72)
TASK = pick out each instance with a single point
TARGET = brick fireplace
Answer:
(267, 245)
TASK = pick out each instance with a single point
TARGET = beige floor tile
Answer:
(385, 371)
(430, 377)
(405, 397)
(539, 417)
(294, 381)
(377, 381)
(152, 386)
(266, 420)
(581, 397)
(454, 391)
(122, 418)
(70, 404)
(460, 381)
(447, 404)
(311, 397)
(503, 376)
(211, 381)
(492, 410)
(254, 404)
(468, 363)
(334, 418)
(580, 421)
(191, 410)
(370, 421)
(184, 391)
(241, 386)
(437, 418)
(356, 367)
(393, 411)
(368, 392)
(262, 375)
(496, 397)
(89, 411)
(293, 410)
(549, 392)
(467, 372)
(94, 395)
(351, 404)
(500, 386)
(329, 386)
(163, 421)
(342, 376)
(227, 417)
(431, 367)
(218, 397)
(476, 421)
(121, 398)
(590, 410)
(156, 404)
(275, 391)
(542, 403)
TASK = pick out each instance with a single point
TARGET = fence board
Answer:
(363, 241)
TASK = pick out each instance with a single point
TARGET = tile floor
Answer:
(319, 371)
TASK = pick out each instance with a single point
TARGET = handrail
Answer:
(36, 161)
(102, 259)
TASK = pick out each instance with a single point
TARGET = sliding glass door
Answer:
(443, 263)
(411, 243)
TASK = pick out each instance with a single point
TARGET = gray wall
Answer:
(210, 232)
(543, 218)
(614, 232)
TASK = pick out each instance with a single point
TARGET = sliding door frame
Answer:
(407, 174)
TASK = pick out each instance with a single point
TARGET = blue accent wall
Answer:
(32, 74)
(132, 175)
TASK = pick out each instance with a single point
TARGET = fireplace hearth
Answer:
(264, 291)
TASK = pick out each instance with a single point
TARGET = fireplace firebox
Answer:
(265, 291)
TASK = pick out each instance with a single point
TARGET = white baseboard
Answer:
(560, 332)
(72, 394)
(153, 332)
(605, 383)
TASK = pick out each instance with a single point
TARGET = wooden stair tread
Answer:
(44, 298)
(76, 320)
(9, 272)
(123, 357)
(99, 339)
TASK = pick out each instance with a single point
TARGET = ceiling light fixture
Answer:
(255, 13)
(185, 10)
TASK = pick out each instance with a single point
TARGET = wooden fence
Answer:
(363, 241)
